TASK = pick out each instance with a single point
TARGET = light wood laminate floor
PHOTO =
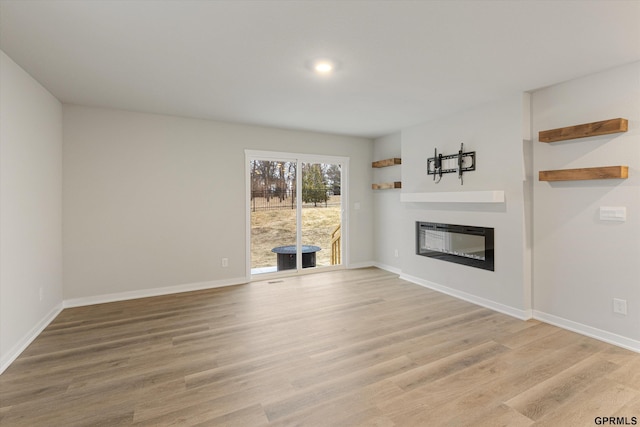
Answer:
(344, 348)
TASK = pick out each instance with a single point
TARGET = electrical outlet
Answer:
(225, 262)
(620, 306)
(41, 293)
(395, 253)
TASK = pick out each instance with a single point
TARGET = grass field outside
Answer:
(277, 227)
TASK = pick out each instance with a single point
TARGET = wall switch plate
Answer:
(620, 306)
(225, 262)
(613, 213)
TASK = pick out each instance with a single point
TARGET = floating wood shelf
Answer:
(386, 185)
(386, 162)
(584, 130)
(606, 172)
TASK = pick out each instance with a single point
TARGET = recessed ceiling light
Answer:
(323, 66)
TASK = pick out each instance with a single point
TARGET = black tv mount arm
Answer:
(461, 162)
(437, 165)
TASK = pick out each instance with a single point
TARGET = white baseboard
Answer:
(599, 334)
(17, 349)
(589, 331)
(496, 306)
(13, 354)
(153, 292)
(388, 268)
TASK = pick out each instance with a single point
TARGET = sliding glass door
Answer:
(273, 212)
(322, 212)
(295, 212)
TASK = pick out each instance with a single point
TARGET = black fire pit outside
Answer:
(287, 256)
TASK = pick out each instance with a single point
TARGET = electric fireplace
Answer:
(462, 244)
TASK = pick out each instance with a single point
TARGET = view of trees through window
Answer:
(272, 179)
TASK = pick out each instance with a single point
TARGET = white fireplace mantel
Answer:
(454, 197)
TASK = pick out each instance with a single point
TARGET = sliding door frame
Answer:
(299, 158)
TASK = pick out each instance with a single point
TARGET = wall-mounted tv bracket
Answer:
(461, 162)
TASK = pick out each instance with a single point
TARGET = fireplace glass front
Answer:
(462, 244)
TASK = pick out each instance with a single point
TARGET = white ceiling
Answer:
(401, 62)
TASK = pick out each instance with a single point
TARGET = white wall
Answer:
(495, 132)
(388, 212)
(580, 262)
(155, 201)
(30, 209)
